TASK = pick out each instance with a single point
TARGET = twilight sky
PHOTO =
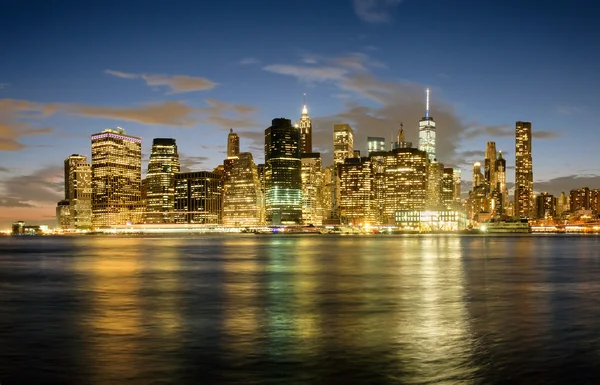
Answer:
(190, 70)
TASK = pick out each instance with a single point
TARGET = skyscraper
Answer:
(116, 178)
(233, 144)
(523, 171)
(343, 143)
(448, 187)
(305, 126)
(435, 174)
(312, 189)
(283, 179)
(427, 133)
(500, 170)
(405, 182)
(489, 165)
(198, 197)
(242, 199)
(160, 181)
(375, 144)
(476, 175)
(78, 193)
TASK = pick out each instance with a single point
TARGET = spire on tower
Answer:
(304, 109)
(427, 104)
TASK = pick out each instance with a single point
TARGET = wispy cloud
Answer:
(375, 11)
(12, 202)
(4, 85)
(249, 61)
(175, 83)
(306, 73)
(4, 169)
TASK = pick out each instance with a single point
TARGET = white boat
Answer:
(505, 226)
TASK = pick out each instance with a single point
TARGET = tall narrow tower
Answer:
(160, 181)
(490, 165)
(305, 131)
(233, 144)
(427, 132)
(523, 171)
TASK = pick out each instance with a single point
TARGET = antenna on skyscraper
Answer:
(427, 104)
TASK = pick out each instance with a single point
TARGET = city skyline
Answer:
(355, 77)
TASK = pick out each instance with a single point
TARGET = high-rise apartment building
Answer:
(343, 143)
(283, 179)
(312, 189)
(427, 133)
(198, 198)
(233, 144)
(523, 171)
(116, 178)
(160, 181)
(545, 206)
(78, 193)
(580, 199)
(242, 198)
(305, 127)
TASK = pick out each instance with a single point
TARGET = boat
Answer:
(516, 225)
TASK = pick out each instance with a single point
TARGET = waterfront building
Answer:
(448, 186)
(595, 201)
(523, 170)
(160, 181)
(427, 132)
(562, 205)
(116, 178)
(305, 127)
(198, 198)
(580, 199)
(242, 198)
(63, 214)
(355, 191)
(378, 186)
(283, 179)
(78, 193)
(405, 181)
(313, 189)
(545, 206)
(435, 172)
(375, 144)
(330, 209)
(343, 143)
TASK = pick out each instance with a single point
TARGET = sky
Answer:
(191, 70)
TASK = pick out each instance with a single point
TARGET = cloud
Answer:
(13, 123)
(306, 73)
(507, 131)
(541, 134)
(4, 169)
(191, 163)
(375, 11)
(45, 185)
(249, 61)
(12, 202)
(567, 183)
(176, 83)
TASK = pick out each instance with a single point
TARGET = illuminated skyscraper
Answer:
(78, 192)
(490, 165)
(545, 206)
(427, 133)
(305, 126)
(477, 176)
(500, 171)
(435, 173)
(448, 186)
(241, 194)
(160, 181)
(401, 143)
(343, 143)
(355, 191)
(198, 198)
(375, 144)
(233, 144)
(116, 178)
(283, 179)
(457, 185)
(312, 189)
(523, 171)
(405, 181)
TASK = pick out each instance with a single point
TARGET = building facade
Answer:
(78, 193)
(116, 179)
(313, 189)
(305, 126)
(523, 171)
(283, 178)
(356, 191)
(160, 181)
(198, 198)
(343, 143)
(242, 198)
(427, 133)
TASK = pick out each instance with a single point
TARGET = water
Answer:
(300, 310)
